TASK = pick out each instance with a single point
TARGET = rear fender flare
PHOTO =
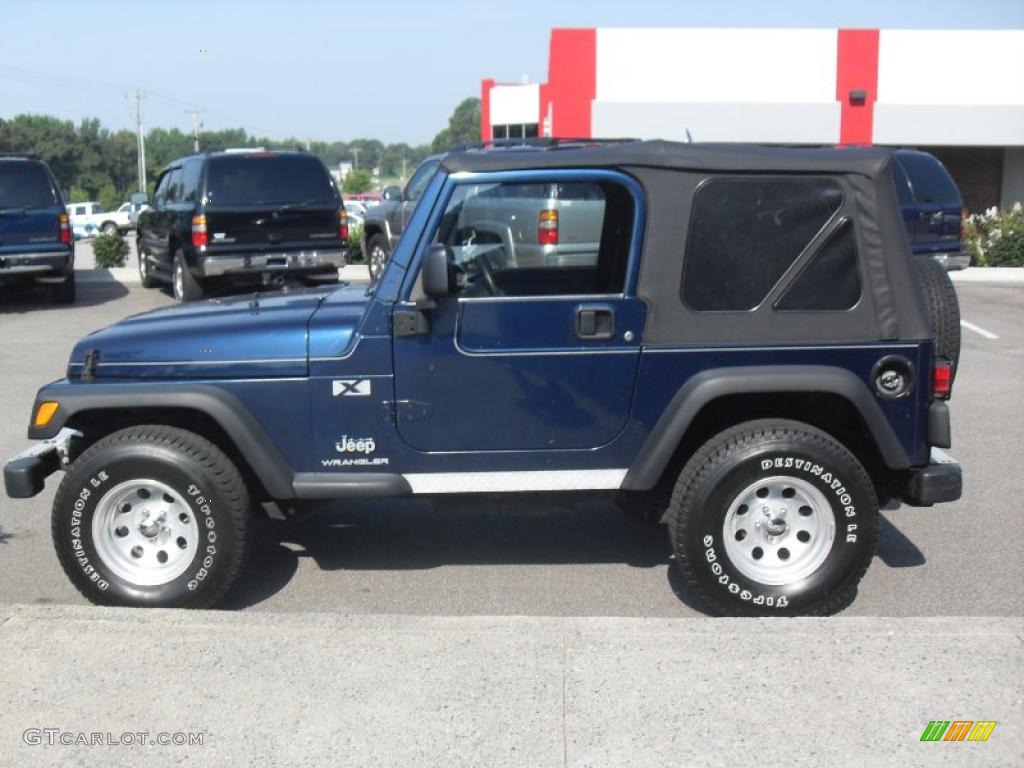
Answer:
(703, 388)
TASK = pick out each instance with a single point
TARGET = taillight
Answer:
(64, 225)
(547, 227)
(963, 218)
(942, 378)
(199, 235)
(343, 224)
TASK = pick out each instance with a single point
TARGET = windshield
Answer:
(268, 179)
(25, 185)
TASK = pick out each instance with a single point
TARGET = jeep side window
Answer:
(831, 279)
(511, 239)
(746, 232)
(419, 180)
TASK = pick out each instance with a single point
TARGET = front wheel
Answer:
(377, 256)
(152, 516)
(109, 228)
(774, 518)
(146, 277)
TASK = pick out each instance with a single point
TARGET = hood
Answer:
(238, 337)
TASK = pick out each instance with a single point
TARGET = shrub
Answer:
(996, 238)
(355, 244)
(109, 251)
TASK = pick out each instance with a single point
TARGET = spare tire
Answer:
(943, 307)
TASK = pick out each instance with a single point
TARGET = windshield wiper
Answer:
(13, 210)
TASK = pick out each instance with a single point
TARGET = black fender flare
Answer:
(225, 409)
(709, 385)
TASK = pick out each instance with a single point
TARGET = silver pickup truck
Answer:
(531, 225)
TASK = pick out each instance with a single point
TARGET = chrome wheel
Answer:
(143, 267)
(779, 530)
(144, 532)
(378, 258)
(179, 282)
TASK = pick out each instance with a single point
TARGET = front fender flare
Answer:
(224, 408)
(710, 385)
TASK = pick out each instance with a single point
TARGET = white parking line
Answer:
(978, 330)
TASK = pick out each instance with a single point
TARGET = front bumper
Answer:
(211, 265)
(25, 474)
(939, 481)
(953, 261)
(47, 263)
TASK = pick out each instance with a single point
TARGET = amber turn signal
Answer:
(45, 413)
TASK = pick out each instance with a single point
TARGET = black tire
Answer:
(109, 228)
(943, 307)
(184, 284)
(377, 255)
(774, 452)
(146, 277)
(64, 293)
(209, 490)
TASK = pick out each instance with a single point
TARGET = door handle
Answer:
(595, 323)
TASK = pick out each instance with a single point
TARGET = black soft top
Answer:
(864, 161)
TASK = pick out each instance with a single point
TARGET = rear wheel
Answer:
(186, 287)
(943, 307)
(152, 516)
(773, 518)
(377, 255)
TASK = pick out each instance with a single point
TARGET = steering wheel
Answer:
(488, 274)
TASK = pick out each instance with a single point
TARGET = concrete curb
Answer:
(319, 689)
(989, 275)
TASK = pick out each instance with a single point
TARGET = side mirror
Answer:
(392, 193)
(435, 271)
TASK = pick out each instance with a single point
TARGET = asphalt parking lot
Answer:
(520, 558)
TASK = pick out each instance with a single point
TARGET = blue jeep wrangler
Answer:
(746, 346)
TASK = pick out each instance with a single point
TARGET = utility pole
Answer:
(196, 125)
(139, 96)
(355, 155)
(404, 161)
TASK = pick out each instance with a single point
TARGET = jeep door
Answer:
(522, 357)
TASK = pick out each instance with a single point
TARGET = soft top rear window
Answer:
(257, 179)
(25, 184)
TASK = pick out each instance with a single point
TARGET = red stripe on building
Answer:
(572, 82)
(485, 109)
(857, 84)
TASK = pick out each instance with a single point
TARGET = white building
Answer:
(957, 93)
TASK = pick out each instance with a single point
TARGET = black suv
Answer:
(242, 218)
(35, 237)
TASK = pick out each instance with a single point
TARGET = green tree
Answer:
(357, 182)
(463, 126)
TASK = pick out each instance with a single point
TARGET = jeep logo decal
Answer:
(355, 445)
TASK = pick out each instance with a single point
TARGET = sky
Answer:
(391, 70)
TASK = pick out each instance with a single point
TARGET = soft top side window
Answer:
(746, 232)
(521, 239)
